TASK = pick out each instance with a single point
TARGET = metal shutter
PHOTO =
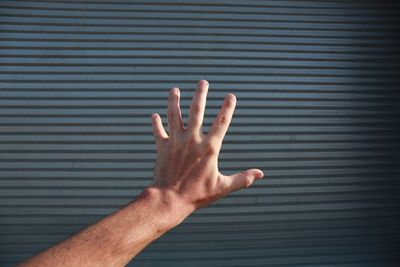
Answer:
(317, 86)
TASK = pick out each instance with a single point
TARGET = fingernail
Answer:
(231, 97)
(203, 82)
(260, 175)
(175, 90)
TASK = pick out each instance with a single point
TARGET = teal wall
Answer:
(317, 87)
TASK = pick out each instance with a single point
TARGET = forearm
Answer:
(186, 178)
(116, 239)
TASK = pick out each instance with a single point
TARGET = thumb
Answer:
(242, 179)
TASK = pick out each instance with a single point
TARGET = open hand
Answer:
(187, 159)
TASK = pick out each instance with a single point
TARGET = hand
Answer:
(187, 159)
(186, 178)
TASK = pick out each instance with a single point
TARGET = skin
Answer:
(186, 178)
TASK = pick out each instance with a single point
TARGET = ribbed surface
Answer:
(318, 92)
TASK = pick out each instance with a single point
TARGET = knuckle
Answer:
(159, 140)
(196, 108)
(197, 159)
(211, 148)
(194, 140)
(170, 114)
(248, 181)
(174, 98)
(222, 120)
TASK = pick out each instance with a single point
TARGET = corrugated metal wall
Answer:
(317, 110)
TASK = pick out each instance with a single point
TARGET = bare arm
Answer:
(186, 178)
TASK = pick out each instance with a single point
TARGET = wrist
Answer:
(170, 208)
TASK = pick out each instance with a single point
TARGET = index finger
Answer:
(223, 119)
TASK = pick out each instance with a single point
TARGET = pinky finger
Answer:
(158, 129)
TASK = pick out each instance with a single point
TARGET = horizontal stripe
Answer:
(317, 88)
